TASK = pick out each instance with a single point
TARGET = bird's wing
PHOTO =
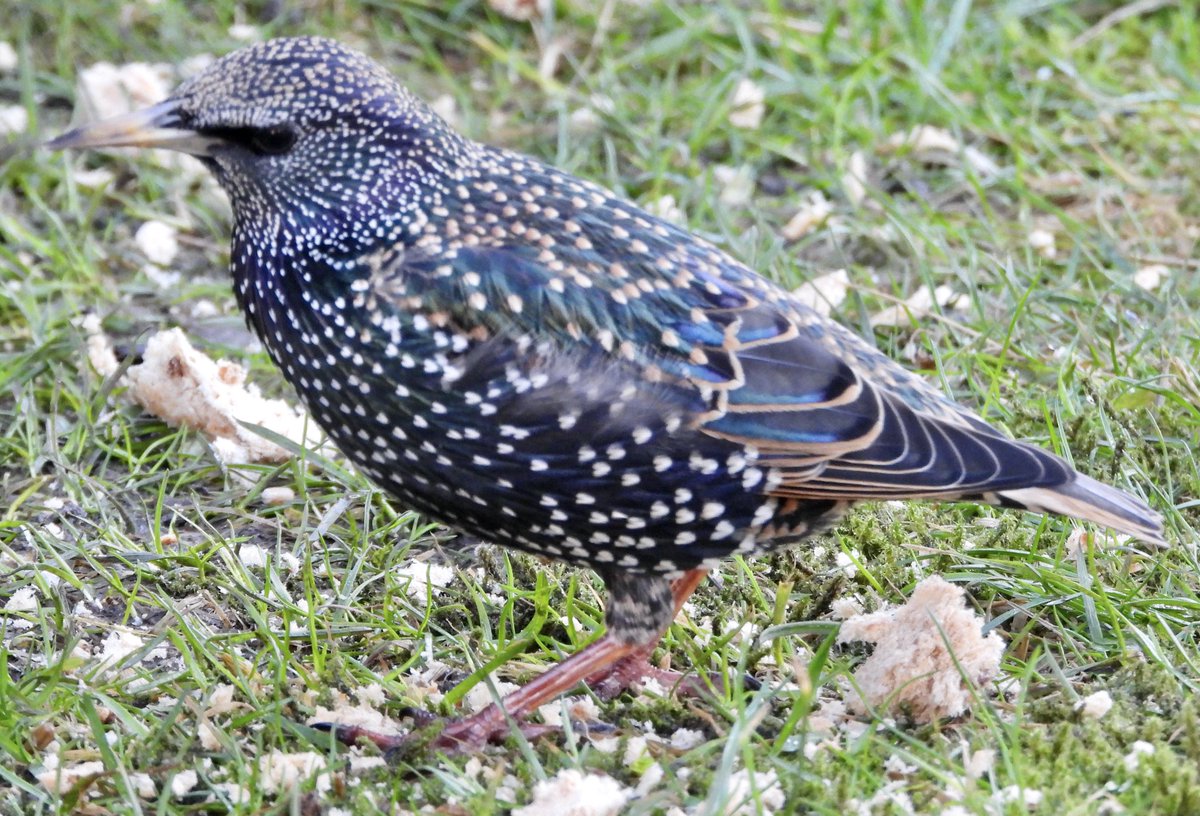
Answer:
(833, 417)
(834, 430)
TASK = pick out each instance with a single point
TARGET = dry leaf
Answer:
(573, 793)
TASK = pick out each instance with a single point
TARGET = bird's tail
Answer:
(1085, 498)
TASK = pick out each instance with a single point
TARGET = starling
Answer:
(533, 360)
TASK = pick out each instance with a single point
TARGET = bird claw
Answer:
(444, 735)
(637, 669)
(351, 734)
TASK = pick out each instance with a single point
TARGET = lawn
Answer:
(1022, 177)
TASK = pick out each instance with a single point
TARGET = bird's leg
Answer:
(636, 666)
(474, 732)
(640, 609)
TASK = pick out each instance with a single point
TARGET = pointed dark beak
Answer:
(156, 126)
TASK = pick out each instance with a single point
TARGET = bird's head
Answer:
(303, 127)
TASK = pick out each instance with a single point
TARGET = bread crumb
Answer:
(221, 701)
(183, 782)
(362, 715)
(118, 646)
(480, 696)
(58, 779)
(1042, 242)
(8, 58)
(935, 145)
(754, 792)
(667, 209)
(1139, 749)
(891, 798)
(748, 106)
(245, 32)
(653, 774)
(1151, 277)
(854, 180)
(650, 688)
(978, 763)
(13, 119)
(279, 771)
(846, 564)
(845, 608)
(235, 793)
(446, 108)
(108, 90)
(1096, 705)
(521, 10)
(579, 709)
(636, 749)
(583, 121)
(209, 739)
(143, 785)
(276, 496)
(362, 764)
(573, 793)
(918, 305)
(922, 651)
(183, 386)
(424, 577)
(814, 211)
(897, 768)
(605, 745)
(1015, 794)
(685, 739)
(252, 556)
(157, 241)
(23, 600)
(195, 64)
(371, 694)
(735, 185)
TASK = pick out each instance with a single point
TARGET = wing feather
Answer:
(835, 418)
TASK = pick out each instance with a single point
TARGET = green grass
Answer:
(118, 524)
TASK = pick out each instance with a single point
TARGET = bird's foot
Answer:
(353, 734)
(636, 669)
(442, 735)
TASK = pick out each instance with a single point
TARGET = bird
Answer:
(535, 361)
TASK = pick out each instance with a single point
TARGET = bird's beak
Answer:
(156, 126)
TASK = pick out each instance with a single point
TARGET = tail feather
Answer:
(1086, 498)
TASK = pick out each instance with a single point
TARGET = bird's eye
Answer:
(272, 141)
(264, 141)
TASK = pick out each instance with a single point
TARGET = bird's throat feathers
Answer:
(311, 233)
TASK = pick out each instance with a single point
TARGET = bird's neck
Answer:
(314, 251)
